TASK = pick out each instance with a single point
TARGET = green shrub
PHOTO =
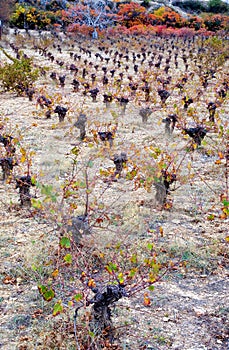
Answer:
(17, 75)
(217, 6)
(145, 3)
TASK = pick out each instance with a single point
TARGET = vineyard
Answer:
(114, 191)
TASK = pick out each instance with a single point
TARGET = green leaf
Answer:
(155, 267)
(204, 143)
(111, 267)
(75, 150)
(47, 190)
(78, 297)
(36, 203)
(150, 246)
(33, 267)
(33, 180)
(68, 258)
(58, 308)
(90, 164)
(65, 242)
(187, 255)
(47, 294)
(151, 287)
(225, 203)
(211, 217)
(92, 335)
(132, 273)
(133, 258)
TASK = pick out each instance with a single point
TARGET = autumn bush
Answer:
(132, 14)
(216, 23)
(127, 15)
(135, 16)
(33, 17)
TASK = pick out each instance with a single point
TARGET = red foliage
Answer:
(132, 14)
(160, 30)
(80, 29)
(171, 18)
(194, 22)
(141, 29)
(133, 19)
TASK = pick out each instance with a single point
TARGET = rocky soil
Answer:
(189, 307)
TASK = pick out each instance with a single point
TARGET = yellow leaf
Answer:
(194, 146)
(161, 231)
(23, 159)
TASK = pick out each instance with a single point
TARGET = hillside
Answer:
(138, 159)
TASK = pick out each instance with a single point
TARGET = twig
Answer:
(75, 331)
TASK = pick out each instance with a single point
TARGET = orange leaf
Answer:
(147, 301)
(91, 283)
(223, 216)
(220, 154)
(9, 280)
(218, 161)
(55, 273)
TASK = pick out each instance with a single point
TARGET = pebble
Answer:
(175, 221)
(199, 311)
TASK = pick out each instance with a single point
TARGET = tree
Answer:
(93, 13)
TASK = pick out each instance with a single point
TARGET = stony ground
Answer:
(189, 307)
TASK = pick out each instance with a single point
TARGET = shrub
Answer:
(195, 22)
(216, 22)
(18, 75)
(33, 17)
(145, 3)
(217, 6)
(164, 15)
(132, 14)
